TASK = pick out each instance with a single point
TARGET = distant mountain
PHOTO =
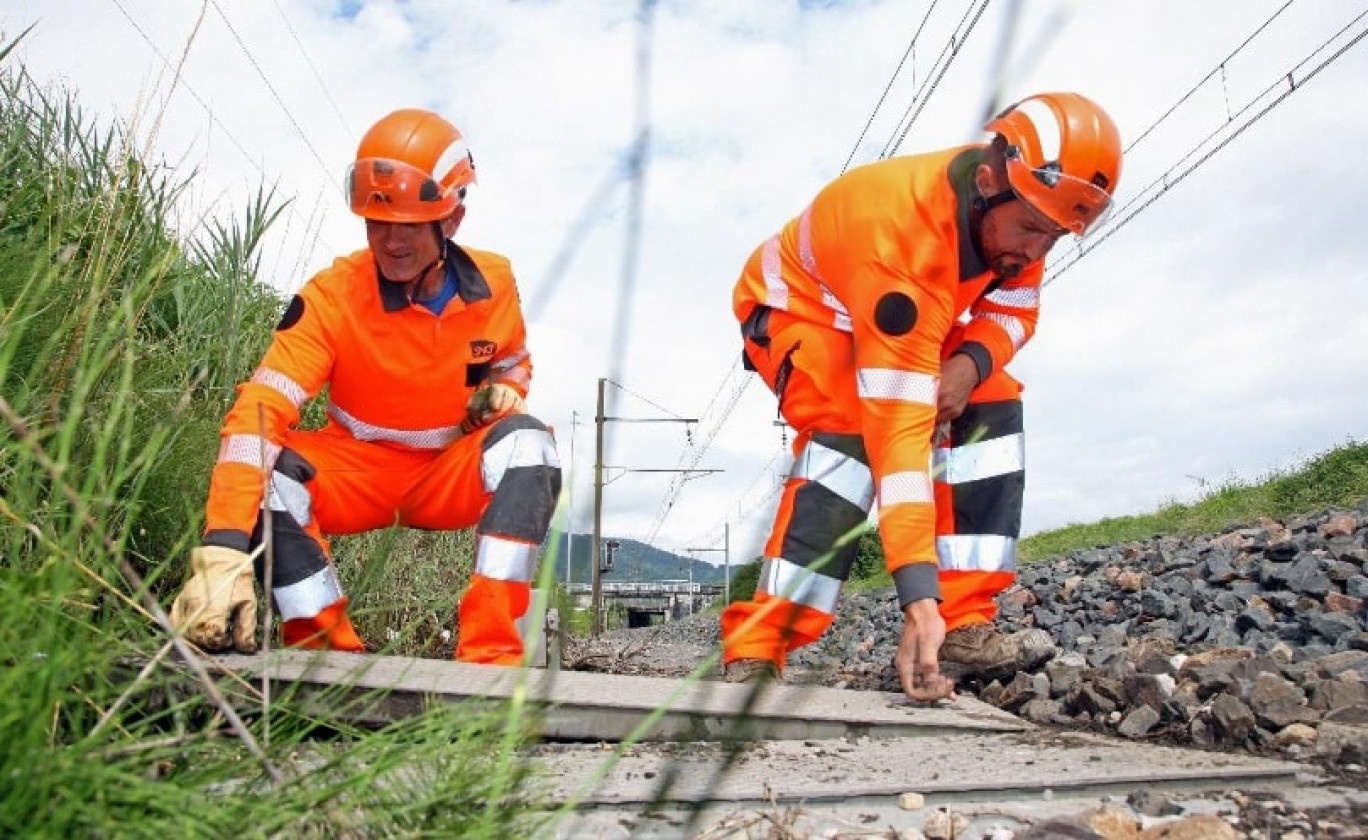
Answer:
(634, 562)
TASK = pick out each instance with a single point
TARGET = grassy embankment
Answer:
(123, 333)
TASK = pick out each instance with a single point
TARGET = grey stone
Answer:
(1138, 722)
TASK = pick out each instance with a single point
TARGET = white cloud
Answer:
(1216, 335)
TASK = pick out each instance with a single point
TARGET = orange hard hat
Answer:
(411, 166)
(1063, 157)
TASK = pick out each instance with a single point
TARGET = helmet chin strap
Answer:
(982, 205)
(439, 263)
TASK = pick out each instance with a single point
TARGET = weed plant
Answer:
(120, 346)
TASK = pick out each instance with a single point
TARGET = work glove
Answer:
(492, 402)
(217, 607)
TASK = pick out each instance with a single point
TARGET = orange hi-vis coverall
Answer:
(392, 451)
(847, 314)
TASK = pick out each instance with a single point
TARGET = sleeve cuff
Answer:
(228, 538)
(979, 355)
(916, 581)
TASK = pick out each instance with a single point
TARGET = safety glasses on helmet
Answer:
(1078, 206)
(391, 190)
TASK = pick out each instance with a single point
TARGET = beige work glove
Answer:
(490, 403)
(217, 607)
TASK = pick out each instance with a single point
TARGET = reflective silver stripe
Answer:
(906, 488)
(502, 559)
(976, 553)
(247, 449)
(837, 472)
(780, 578)
(1027, 298)
(277, 381)
(516, 376)
(438, 438)
(890, 384)
(776, 290)
(521, 448)
(512, 360)
(805, 254)
(841, 316)
(1046, 123)
(1016, 331)
(984, 459)
(308, 597)
(290, 496)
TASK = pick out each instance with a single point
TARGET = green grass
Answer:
(1336, 478)
(120, 345)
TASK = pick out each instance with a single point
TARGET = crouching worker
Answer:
(420, 343)
(883, 318)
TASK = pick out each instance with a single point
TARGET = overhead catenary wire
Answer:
(658, 407)
(1219, 68)
(266, 80)
(1285, 84)
(949, 52)
(711, 421)
(878, 106)
(214, 120)
(313, 68)
(754, 499)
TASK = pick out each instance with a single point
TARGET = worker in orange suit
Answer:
(883, 317)
(422, 346)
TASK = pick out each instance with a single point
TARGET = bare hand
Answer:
(959, 377)
(918, 651)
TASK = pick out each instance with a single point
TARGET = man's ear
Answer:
(986, 181)
(452, 222)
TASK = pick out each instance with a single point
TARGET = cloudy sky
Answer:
(1218, 333)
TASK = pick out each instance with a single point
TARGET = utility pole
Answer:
(596, 562)
(726, 566)
(570, 497)
(596, 589)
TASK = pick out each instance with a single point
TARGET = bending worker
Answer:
(420, 343)
(883, 314)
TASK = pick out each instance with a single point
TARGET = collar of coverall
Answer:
(961, 174)
(471, 285)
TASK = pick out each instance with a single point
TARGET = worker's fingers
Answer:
(928, 683)
(918, 665)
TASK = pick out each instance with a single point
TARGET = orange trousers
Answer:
(345, 486)
(811, 370)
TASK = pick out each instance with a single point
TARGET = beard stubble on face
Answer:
(1007, 266)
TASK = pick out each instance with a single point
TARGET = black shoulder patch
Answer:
(293, 313)
(895, 314)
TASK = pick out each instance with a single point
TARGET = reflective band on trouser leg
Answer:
(980, 480)
(520, 467)
(827, 497)
(499, 592)
(304, 584)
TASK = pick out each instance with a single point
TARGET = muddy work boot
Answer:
(983, 651)
(751, 670)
